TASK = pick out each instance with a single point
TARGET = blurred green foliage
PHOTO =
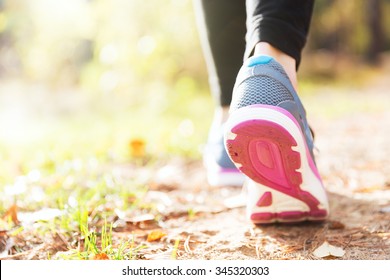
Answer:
(102, 45)
(137, 46)
(347, 27)
(134, 62)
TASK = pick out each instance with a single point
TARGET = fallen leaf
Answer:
(164, 187)
(155, 235)
(13, 213)
(137, 148)
(336, 225)
(326, 250)
(101, 256)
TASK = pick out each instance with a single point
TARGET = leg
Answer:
(283, 24)
(279, 29)
(222, 31)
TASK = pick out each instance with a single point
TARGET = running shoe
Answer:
(221, 171)
(269, 140)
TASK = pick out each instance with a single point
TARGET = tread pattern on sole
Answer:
(263, 150)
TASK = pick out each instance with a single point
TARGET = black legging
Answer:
(230, 29)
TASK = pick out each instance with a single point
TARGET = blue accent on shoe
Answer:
(221, 171)
(216, 149)
(221, 156)
(263, 59)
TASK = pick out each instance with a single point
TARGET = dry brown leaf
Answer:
(163, 187)
(155, 235)
(13, 213)
(101, 256)
(336, 225)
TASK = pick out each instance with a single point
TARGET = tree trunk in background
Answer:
(374, 20)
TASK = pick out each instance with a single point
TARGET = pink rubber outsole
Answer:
(263, 151)
(288, 216)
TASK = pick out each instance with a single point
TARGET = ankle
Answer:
(288, 62)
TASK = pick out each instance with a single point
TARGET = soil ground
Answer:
(354, 161)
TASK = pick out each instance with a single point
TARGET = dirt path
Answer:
(354, 161)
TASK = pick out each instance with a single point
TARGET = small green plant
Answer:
(100, 244)
(175, 249)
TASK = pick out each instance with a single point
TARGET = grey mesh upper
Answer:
(262, 80)
(247, 93)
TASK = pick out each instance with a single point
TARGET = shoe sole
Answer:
(266, 144)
